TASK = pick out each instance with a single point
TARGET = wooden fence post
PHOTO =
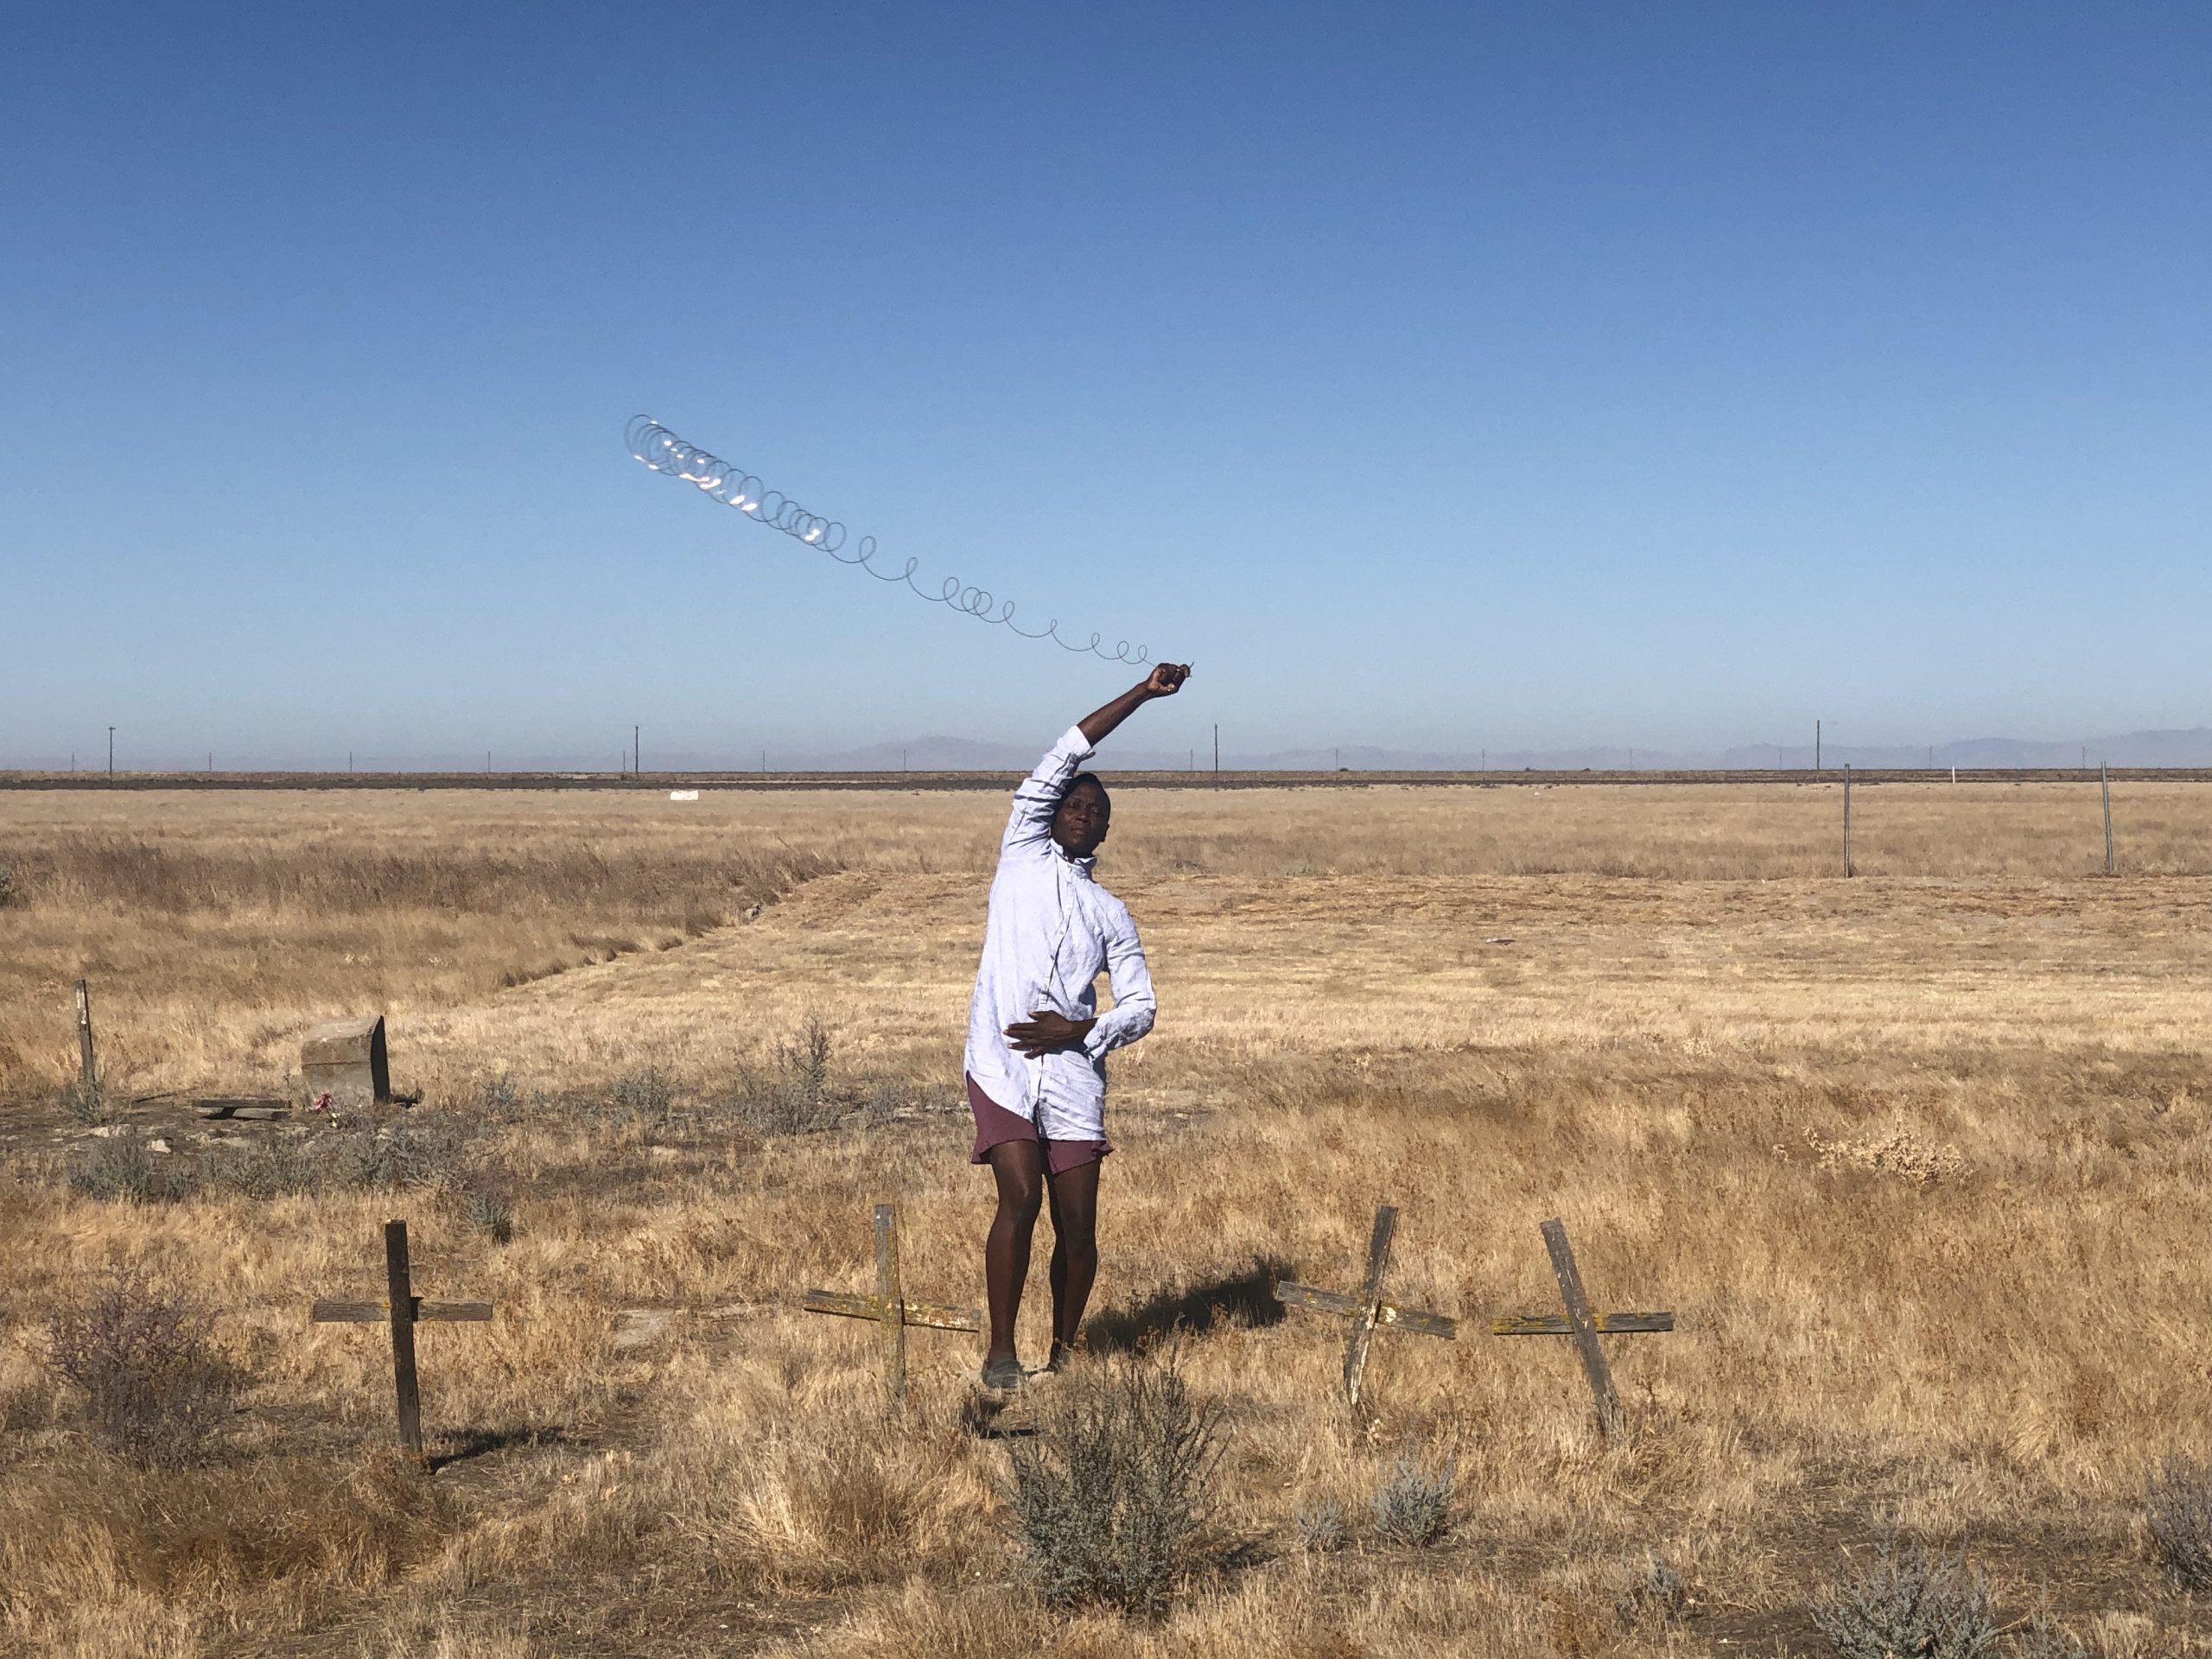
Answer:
(85, 1061)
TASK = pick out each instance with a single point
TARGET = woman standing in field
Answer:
(1036, 1059)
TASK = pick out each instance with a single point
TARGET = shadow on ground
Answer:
(1247, 1299)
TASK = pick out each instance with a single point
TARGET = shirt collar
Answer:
(1084, 865)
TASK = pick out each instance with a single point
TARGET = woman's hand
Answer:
(1047, 1030)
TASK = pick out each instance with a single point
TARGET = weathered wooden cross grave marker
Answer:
(1368, 1310)
(1585, 1326)
(888, 1307)
(404, 1310)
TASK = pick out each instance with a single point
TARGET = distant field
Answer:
(1919, 1160)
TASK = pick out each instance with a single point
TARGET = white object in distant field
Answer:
(683, 794)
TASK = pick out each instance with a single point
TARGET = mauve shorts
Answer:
(995, 1125)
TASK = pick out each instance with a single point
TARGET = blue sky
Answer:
(1514, 376)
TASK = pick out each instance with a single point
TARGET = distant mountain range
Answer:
(2192, 747)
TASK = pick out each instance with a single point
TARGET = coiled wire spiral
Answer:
(660, 449)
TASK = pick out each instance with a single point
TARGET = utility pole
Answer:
(637, 752)
(1217, 751)
(1847, 870)
(110, 750)
(2104, 772)
(1817, 746)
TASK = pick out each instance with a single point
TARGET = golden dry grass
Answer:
(1919, 1160)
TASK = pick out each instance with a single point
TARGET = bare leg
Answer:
(1018, 1166)
(1075, 1247)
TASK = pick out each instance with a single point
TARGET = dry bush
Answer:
(1109, 1495)
(1321, 1527)
(1909, 1600)
(11, 889)
(491, 1212)
(646, 1096)
(1896, 1150)
(1413, 1505)
(84, 1102)
(157, 1389)
(120, 1167)
(1657, 1597)
(2179, 1504)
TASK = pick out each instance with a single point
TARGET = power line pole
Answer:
(110, 750)
(637, 751)
(1216, 750)
(1817, 746)
(2104, 772)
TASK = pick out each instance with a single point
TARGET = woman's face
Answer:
(1079, 822)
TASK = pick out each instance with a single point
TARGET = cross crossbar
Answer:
(1552, 1325)
(889, 1308)
(1368, 1312)
(328, 1312)
(1585, 1325)
(936, 1315)
(1386, 1317)
(403, 1310)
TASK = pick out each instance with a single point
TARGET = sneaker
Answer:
(1003, 1374)
(1063, 1357)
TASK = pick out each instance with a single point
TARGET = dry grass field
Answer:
(1921, 1161)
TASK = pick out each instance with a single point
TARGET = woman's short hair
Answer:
(1093, 779)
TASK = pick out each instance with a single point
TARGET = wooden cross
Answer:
(889, 1308)
(404, 1310)
(1585, 1326)
(1367, 1311)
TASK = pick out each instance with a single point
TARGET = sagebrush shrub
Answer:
(86, 1103)
(1909, 1601)
(121, 1167)
(1322, 1525)
(1412, 1506)
(491, 1212)
(646, 1094)
(418, 1150)
(1657, 1596)
(798, 1095)
(155, 1388)
(10, 888)
(2179, 1504)
(1109, 1494)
